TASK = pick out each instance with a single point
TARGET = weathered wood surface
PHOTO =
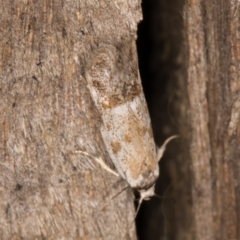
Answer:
(194, 90)
(213, 87)
(47, 191)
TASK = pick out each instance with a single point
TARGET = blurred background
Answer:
(162, 62)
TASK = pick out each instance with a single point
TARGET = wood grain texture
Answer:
(47, 191)
(194, 90)
(213, 83)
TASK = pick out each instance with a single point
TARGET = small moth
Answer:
(114, 85)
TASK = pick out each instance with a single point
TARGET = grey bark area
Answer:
(47, 190)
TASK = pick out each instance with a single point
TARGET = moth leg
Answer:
(161, 150)
(100, 161)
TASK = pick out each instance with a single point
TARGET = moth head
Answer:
(145, 194)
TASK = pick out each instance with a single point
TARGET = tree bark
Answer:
(213, 84)
(47, 190)
(193, 65)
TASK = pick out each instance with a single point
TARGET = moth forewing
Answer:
(128, 138)
(115, 88)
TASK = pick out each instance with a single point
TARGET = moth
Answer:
(115, 88)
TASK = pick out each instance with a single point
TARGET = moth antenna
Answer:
(161, 197)
(117, 194)
(158, 196)
(162, 149)
(100, 161)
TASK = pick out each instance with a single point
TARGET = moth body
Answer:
(125, 123)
